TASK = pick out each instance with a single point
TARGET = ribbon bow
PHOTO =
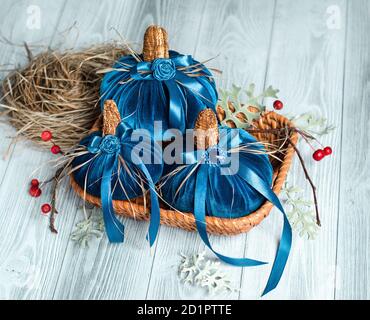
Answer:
(112, 146)
(204, 158)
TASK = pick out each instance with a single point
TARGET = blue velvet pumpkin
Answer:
(228, 195)
(172, 91)
(207, 183)
(110, 169)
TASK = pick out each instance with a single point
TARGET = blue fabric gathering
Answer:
(228, 195)
(172, 91)
(113, 169)
(201, 187)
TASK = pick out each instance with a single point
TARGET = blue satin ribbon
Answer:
(199, 85)
(202, 88)
(200, 219)
(154, 208)
(114, 228)
(255, 181)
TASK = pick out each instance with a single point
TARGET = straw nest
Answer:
(58, 92)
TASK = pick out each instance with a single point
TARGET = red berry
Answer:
(46, 135)
(55, 149)
(328, 151)
(35, 183)
(318, 155)
(278, 105)
(45, 208)
(35, 192)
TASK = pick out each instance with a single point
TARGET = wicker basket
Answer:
(136, 209)
(156, 46)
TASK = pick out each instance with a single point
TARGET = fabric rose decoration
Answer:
(109, 144)
(163, 69)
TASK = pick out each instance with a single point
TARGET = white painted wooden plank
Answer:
(104, 271)
(101, 21)
(353, 271)
(306, 64)
(29, 254)
(17, 26)
(308, 57)
(109, 271)
(240, 32)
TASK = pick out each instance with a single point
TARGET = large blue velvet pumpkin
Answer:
(172, 91)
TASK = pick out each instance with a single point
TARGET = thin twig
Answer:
(29, 53)
(277, 130)
(288, 130)
(318, 222)
(56, 179)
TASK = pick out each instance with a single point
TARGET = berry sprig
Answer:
(47, 136)
(278, 105)
(45, 208)
(49, 209)
(318, 154)
(35, 191)
(35, 185)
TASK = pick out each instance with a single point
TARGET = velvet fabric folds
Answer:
(228, 195)
(210, 183)
(172, 91)
(120, 167)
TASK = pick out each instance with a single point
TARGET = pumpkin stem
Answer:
(155, 43)
(111, 118)
(206, 130)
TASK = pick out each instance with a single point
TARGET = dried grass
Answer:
(57, 92)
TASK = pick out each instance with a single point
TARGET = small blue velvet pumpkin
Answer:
(93, 164)
(119, 167)
(171, 90)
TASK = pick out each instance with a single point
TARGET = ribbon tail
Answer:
(155, 216)
(114, 228)
(286, 237)
(200, 219)
(281, 258)
(177, 106)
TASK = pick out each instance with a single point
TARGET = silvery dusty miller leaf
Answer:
(89, 228)
(240, 113)
(312, 123)
(197, 270)
(300, 212)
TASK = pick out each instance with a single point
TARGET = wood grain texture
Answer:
(353, 268)
(306, 64)
(288, 44)
(90, 276)
(105, 271)
(242, 27)
(29, 254)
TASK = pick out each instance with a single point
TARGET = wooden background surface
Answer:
(317, 63)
